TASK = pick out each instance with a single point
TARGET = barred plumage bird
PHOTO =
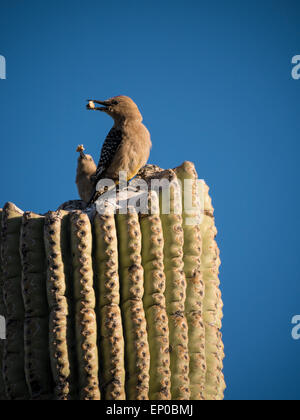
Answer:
(127, 145)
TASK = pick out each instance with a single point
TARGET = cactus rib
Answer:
(192, 250)
(84, 297)
(212, 308)
(176, 292)
(61, 320)
(110, 340)
(36, 328)
(13, 358)
(137, 359)
(155, 303)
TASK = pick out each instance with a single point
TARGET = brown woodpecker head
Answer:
(120, 108)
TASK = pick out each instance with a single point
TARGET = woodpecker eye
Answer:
(114, 102)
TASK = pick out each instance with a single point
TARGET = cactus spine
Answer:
(123, 306)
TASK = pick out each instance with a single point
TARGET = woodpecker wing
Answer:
(109, 149)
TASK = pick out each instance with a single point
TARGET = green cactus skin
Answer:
(110, 328)
(155, 303)
(36, 328)
(61, 320)
(2, 313)
(212, 308)
(85, 302)
(176, 294)
(192, 251)
(137, 357)
(13, 359)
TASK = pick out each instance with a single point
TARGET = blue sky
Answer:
(213, 81)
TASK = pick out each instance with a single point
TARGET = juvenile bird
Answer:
(86, 171)
(127, 145)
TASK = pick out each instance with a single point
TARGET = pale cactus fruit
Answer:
(114, 306)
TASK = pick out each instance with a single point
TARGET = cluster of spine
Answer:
(126, 306)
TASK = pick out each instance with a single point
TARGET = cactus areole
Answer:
(114, 305)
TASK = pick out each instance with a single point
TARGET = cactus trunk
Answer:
(113, 307)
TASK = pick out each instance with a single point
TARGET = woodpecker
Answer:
(86, 171)
(127, 145)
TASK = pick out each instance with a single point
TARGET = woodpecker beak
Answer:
(105, 104)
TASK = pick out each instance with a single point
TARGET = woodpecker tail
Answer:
(96, 194)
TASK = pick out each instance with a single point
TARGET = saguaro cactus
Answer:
(113, 307)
